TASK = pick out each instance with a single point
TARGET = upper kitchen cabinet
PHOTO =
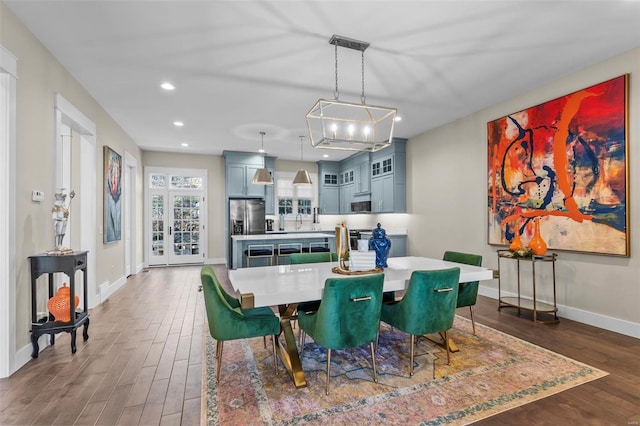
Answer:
(388, 179)
(269, 190)
(240, 169)
(362, 183)
(329, 189)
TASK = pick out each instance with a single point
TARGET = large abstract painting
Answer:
(112, 192)
(565, 162)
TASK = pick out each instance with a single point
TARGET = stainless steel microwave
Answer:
(361, 207)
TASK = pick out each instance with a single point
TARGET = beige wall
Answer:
(40, 77)
(294, 166)
(214, 164)
(447, 199)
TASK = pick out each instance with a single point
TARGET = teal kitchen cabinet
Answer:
(398, 246)
(269, 194)
(329, 188)
(388, 179)
(240, 167)
(346, 196)
(362, 183)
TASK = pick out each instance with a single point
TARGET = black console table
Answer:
(50, 264)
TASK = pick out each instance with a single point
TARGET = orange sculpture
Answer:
(59, 305)
(537, 244)
(516, 242)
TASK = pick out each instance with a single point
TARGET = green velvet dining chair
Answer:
(467, 292)
(348, 316)
(428, 306)
(228, 321)
(313, 257)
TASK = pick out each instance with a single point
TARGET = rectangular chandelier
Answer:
(335, 124)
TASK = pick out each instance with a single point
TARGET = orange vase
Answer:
(537, 244)
(58, 305)
(516, 242)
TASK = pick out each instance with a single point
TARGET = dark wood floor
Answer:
(143, 364)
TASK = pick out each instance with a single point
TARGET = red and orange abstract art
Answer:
(564, 161)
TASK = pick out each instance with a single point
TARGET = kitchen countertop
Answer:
(280, 236)
(391, 232)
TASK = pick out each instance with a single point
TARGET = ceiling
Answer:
(242, 67)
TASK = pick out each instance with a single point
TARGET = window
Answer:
(294, 200)
(285, 206)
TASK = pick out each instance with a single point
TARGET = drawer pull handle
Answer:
(442, 290)
(360, 299)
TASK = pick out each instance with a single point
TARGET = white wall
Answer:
(447, 202)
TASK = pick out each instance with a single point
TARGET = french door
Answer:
(176, 219)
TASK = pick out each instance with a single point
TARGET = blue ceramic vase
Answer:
(381, 244)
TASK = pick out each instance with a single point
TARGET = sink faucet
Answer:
(298, 221)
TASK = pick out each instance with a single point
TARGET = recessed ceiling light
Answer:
(184, 144)
(178, 123)
(261, 150)
(398, 118)
(168, 86)
(325, 155)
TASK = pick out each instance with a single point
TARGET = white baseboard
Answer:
(139, 268)
(23, 355)
(616, 325)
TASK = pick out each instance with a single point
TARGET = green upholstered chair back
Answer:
(349, 313)
(319, 257)
(227, 320)
(221, 308)
(468, 292)
(429, 303)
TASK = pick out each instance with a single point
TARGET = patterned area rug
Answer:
(493, 372)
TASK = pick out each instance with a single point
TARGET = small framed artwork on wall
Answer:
(563, 165)
(112, 193)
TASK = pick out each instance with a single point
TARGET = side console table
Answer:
(50, 264)
(532, 305)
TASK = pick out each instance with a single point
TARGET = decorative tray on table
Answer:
(338, 270)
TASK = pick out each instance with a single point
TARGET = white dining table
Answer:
(287, 285)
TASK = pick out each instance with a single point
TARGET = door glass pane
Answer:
(186, 225)
(186, 182)
(157, 225)
(158, 181)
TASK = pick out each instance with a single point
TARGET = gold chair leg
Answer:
(473, 322)
(275, 355)
(328, 370)
(446, 339)
(219, 347)
(373, 361)
(411, 343)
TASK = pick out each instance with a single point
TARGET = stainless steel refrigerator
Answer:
(246, 217)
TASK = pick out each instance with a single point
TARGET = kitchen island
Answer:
(240, 243)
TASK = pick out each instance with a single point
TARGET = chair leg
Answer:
(373, 361)
(303, 337)
(411, 344)
(275, 361)
(446, 339)
(219, 347)
(473, 322)
(328, 370)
